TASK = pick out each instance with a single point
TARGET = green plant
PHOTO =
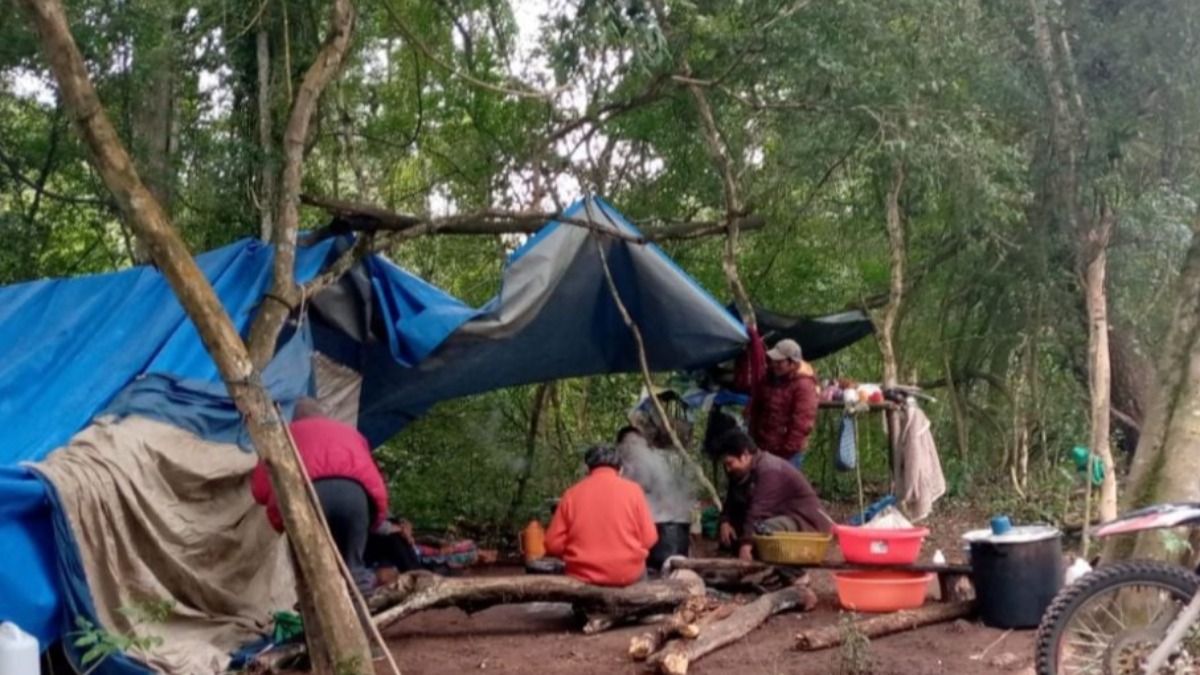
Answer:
(854, 657)
(100, 644)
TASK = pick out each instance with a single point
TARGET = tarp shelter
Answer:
(89, 365)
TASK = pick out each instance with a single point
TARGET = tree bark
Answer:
(266, 134)
(682, 622)
(883, 624)
(1166, 463)
(1094, 251)
(896, 247)
(416, 592)
(335, 616)
(283, 296)
(541, 396)
(677, 657)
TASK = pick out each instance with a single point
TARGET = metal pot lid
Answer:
(1020, 534)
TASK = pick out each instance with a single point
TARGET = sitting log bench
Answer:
(954, 581)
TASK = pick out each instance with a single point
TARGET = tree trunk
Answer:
(1094, 252)
(266, 134)
(284, 294)
(1166, 463)
(335, 617)
(416, 592)
(883, 624)
(896, 246)
(151, 123)
(677, 657)
(541, 397)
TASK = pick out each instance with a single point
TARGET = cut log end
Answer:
(674, 663)
(642, 646)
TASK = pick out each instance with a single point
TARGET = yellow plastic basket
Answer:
(792, 548)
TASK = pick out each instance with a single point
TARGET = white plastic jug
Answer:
(18, 651)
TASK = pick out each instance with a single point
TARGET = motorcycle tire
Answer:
(1182, 583)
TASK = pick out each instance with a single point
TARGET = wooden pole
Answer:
(648, 380)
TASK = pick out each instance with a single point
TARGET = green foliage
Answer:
(817, 103)
(99, 644)
(854, 654)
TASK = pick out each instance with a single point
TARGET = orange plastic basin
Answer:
(882, 591)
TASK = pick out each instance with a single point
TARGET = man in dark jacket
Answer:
(766, 494)
(783, 405)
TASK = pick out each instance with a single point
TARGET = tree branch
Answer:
(328, 63)
(361, 217)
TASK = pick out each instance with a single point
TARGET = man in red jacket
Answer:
(602, 528)
(347, 481)
(783, 405)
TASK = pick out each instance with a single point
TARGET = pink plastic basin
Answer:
(869, 546)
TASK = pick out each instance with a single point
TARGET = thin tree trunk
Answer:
(284, 294)
(541, 396)
(1095, 251)
(266, 142)
(896, 246)
(335, 617)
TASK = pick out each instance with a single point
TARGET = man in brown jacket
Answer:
(766, 494)
(783, 406)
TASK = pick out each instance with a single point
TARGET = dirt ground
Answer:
(539, 638)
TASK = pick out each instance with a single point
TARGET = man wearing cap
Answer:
(783, 405)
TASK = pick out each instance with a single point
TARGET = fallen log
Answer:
(678, 655)
(731, 573)
(883, 624)
(412, 593)
(683, 622)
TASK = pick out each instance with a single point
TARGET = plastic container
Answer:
(18, 651)
(533, 541)
(870, 546)
(1016, 574)
(792, 548)
(881, 591)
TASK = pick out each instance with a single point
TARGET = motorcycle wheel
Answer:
(1073, 641)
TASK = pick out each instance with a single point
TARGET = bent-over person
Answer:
(766, 494)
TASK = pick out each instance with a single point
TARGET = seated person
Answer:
(602, 529)
(347, 481)
(766, 494)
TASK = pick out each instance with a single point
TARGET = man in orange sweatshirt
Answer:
(602, 528)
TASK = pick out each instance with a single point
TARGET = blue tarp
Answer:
(120, 343)
(70, 346)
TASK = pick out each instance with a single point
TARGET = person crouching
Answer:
(766, 495)
(602, 529)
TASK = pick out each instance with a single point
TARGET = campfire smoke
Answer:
(667, 487)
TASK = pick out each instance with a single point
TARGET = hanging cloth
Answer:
(919, 479)
(847, 453)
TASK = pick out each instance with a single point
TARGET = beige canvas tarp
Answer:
(159, 513)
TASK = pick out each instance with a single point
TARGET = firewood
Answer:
(677, 656)
(682, 622)
(413, 593)
(883, 624)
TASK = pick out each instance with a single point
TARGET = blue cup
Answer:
(1001, 525)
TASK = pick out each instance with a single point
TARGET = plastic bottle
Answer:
(18, 651)
(533, 543)
(1080, 454)
(939, 558)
